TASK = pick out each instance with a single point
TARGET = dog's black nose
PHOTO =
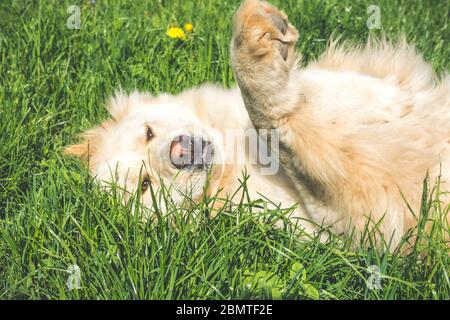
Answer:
(190, 152)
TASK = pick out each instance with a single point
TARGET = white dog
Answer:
(359, 129)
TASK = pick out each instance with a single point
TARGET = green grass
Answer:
(53, 84)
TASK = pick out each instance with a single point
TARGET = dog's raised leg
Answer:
(263, 56)
(265, 66)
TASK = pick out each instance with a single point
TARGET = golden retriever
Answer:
(358, 131)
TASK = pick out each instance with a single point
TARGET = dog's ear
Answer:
(118, 104)
(78, 150)
(84, 149)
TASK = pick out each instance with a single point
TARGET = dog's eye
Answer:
(148, 133)
(145, 184)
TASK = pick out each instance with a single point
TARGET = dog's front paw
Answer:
(262, 32)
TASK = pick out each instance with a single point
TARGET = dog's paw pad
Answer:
(279, 22)
(263, 28)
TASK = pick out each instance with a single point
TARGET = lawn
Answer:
(54, 82)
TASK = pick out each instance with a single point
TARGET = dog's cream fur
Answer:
(359, 128)
(117, 150)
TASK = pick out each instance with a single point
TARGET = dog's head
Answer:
(149, 141)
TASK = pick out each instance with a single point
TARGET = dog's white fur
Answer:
(360, 128)
(117, 151)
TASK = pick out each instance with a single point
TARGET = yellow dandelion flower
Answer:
(188, 27)
(176, 33)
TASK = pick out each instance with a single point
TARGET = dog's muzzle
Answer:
(189, 152)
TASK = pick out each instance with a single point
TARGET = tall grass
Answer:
(53, 84)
